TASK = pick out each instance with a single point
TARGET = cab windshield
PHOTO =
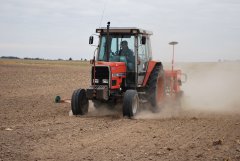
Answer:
(115, 42)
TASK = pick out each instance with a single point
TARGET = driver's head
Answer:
(124, 44)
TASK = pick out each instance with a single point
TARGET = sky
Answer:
(207, 30)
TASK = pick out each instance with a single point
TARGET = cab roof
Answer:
(127, 30)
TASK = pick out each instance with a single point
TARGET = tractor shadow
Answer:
(103, 112)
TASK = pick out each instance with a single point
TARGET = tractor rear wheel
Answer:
(79, 102)
(130, 103)
(155, 85)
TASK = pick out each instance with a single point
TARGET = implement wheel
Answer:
(130, 103)
(79, 102)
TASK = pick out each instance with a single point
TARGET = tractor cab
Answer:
(128, 45)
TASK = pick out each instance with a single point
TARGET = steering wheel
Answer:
(116, 53)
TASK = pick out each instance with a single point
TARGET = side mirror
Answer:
(91, 61)
(143, 40)
(91, 40)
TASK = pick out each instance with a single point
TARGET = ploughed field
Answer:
(33, 127)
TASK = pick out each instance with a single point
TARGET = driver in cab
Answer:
(128, 53)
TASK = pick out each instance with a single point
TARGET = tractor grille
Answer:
(101, 74)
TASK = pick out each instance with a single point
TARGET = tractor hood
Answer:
(116, 72)
(116, 67)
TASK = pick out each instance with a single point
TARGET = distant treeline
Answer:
(26, 58)
(9, 57)
(14, 57)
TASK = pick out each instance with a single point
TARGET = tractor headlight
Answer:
(105, 81)
(118, 74)
(96, 80)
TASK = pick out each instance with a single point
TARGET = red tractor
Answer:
(123, 72)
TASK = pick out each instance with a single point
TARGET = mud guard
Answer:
(151, 65)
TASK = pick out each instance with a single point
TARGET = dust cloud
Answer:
(211, 88)
(102, 110)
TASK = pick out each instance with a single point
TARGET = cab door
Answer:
(143, 58)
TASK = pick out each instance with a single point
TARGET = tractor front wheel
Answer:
(130, 103)
(79, 102)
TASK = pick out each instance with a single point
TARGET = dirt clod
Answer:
(169, 149)
(194, 118)
(238, 142)
(217, 142)
(8, 129)
(199, 155)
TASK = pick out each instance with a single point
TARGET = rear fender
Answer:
(151, 65)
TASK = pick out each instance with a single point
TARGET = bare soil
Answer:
(34, 127)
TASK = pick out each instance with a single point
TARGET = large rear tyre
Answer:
(79, 102)
(156, 87)
(130, 103)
